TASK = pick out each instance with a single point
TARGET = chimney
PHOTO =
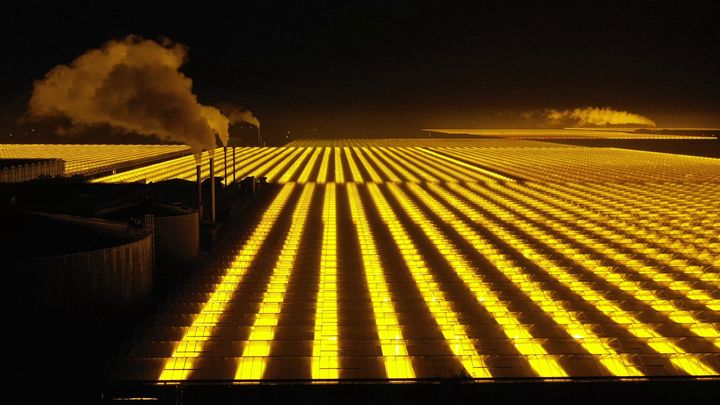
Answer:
(198, 170)
(225, 178)
(212, 186)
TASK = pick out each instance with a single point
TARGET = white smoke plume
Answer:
(135, 85)
(588, 117)
(237, 115)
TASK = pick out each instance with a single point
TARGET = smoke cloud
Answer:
(134, 85)
(588, 117)
(237, 115)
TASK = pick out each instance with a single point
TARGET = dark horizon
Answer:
(373, 69)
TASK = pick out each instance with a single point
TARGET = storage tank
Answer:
(64, 266)
(175, 231)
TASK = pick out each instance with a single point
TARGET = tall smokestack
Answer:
(259, 137)
(212, 186)
(198, 170)
(225, 178)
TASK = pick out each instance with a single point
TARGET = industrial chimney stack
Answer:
(212, 186)
(225, 177)
(198, 171)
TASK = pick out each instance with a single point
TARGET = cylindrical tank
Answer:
(94, 283)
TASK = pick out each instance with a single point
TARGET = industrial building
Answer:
(84, 263)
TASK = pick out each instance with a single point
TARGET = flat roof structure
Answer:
(583, 133)
(91, 159)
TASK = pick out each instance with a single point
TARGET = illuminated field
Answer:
(432, 262)
(86, 159)
(478, 161)
(425, 142)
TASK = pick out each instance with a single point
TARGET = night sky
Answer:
(340, 69)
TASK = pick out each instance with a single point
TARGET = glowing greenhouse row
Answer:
(590, 164)
(421, 164)
(88, 159)
(422, 142)
(413, 262)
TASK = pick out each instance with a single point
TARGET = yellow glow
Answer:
(511, 325)
(691, 363)
(392, 342)
(325, 363)
(86, 159)
(649, 296)
(383, 168)
(374, 176)
(442, 312)
(408, 166)
(243, 167)
(571, 133)
(354, 171)
(323, 172)
(339, 175)
(584, 165)
(251, 366)
(443, 169)
(180, 364)
(488, 173)
(309, 166)
(294, 167)
(593, 343)
(270, 167)
(184, 167)
(615, 251)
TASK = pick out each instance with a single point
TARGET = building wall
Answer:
(112, 280)
(177, 244)
(31, 171)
